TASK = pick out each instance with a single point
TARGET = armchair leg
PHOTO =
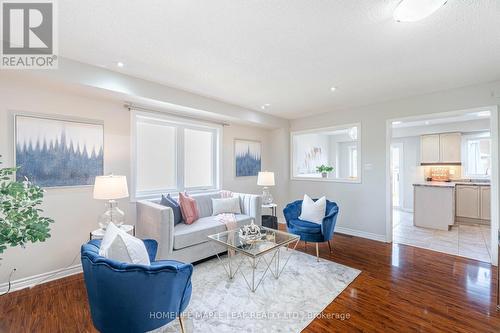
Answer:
(305, 246)
(317, 252)
(330, 246)
(181, 322)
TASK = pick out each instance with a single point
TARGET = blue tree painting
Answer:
(248, 158)
(53, 153)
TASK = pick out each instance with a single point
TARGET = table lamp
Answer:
(266, 178)
(111, 188)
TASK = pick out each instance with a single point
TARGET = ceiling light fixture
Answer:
(120, 64)
(265, 106)
(416, 10)
(397, 122)
(333, 88)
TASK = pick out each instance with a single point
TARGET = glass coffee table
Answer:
(269, 247)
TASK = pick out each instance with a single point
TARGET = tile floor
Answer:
(470, 241)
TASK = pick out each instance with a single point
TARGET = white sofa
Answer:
(189, 242)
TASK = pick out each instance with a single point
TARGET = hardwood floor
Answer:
(401, 289)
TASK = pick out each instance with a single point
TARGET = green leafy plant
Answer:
(324, 168)
(20, 220)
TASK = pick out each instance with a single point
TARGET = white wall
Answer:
(363, 206)
(74, 210)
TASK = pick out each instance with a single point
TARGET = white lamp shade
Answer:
(265, 178)
(110, 187)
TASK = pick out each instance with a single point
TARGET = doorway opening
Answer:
(443, 178)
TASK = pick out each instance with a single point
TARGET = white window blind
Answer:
(173, 154)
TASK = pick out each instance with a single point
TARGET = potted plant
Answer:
(20, 220)
(324, 170)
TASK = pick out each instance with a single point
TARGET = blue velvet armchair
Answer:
(134, 298)
(310, 231)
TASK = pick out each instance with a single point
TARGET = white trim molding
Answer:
(360, 233)
(31, 281)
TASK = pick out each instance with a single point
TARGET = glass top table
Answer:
(266, 248)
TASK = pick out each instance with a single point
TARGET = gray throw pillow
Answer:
(168, 201)
(226, 205)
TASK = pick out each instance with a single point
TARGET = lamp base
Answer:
(112, 214)
(267, 198)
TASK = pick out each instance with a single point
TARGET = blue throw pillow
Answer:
(168, 201)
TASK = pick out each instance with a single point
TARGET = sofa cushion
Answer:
(204, 203)
(188, 235)
(189, 208)
(168, 201)
(226, 205)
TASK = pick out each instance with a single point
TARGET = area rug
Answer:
(287, 304)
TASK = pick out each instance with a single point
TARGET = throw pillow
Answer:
(168, 201)
(189, 209)
(120, 246)
(226, 205)
(313, 211)
(109, 237)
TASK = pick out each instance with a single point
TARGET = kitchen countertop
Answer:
(450, 184)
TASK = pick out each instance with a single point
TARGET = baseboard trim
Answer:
(31, 281)
(362, 234)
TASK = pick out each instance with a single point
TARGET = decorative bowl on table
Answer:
(250, 233)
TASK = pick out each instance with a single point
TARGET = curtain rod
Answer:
(131, 106)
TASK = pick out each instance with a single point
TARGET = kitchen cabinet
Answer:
(429, 147)
(473, 202)
(442, 148)
(450, 146)
(468, 201)
(434, 206)
(485, 194)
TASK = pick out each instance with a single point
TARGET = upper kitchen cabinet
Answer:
(440, 148)
(450, 148)
(430, 148)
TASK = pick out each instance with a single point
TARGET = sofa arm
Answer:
(155, 221)
(251, 205)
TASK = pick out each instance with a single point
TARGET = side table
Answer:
(99, 233)
(272, 206)
(270, 221)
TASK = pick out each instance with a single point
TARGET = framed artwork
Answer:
(247, 156)
(56, 152)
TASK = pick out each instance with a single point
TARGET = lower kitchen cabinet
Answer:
(473, 202)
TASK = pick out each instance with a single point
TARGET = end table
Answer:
(99, 233)
(273, 208)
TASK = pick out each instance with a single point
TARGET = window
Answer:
(477, 155)
(334, 147)
(173, 155)
(353, 162)
(198, 158)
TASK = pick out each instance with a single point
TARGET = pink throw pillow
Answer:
(189, 209)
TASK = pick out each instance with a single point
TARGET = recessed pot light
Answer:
(416, 10)
(265, 106)
(333, 88)
(120, 64)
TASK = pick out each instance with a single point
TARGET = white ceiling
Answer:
(287, 53)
